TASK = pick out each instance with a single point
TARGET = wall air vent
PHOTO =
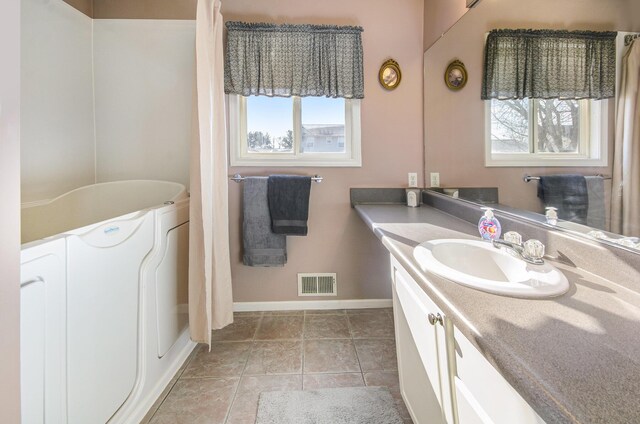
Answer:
(317, 284)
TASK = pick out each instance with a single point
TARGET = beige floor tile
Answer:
(376, 354)
(331, 381)
(224, 360)
(154, 408)
(326, 327)
(197, 401)
(389, 379)
(167, 389)
(382, 378)
(243, 328)
(280, 327)
(379, 311)
(275, 357)
(284, 313)
(325, 312)
(371, 325)
(330, 356)
(245, 404)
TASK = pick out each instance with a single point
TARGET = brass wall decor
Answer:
(390, 75)
(456, 75)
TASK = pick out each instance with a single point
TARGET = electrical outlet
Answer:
(435, 179)
(413, 179)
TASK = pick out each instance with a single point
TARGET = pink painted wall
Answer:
(454, 121)
(10, 212)
(632, 11)
(439, 16)
(338, 241)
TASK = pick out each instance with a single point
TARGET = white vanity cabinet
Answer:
(483, 395)
(422, 352)
(443, 377)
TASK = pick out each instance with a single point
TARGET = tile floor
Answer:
(289, 350)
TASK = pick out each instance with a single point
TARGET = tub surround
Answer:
(573, 358)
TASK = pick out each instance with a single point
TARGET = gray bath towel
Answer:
(261, 246)
(289, 204)
(567, 193)
(596, 217)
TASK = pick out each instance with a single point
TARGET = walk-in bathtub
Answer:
(104, 301)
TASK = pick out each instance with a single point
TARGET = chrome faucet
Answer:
(531, 251)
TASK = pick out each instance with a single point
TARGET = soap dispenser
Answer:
(489, 226)
(551, 215)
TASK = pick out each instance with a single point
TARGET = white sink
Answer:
(477, 264)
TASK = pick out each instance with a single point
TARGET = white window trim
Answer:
(598, 145)
(239, 156)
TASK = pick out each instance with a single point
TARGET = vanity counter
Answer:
(573, 358)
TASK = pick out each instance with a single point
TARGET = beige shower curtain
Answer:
(210, 299)
(625, 202)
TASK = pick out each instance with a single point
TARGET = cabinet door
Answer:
(474, 376)
(469, 410)
(421, 353)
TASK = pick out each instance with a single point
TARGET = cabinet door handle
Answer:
(435, 319)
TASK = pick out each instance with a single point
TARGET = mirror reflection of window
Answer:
(540, 126)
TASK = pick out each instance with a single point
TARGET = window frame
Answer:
(593, 150)
(240, 156)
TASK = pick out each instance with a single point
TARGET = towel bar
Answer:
(529, 178)
(239, 178)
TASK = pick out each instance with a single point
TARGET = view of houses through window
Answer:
(271, 124)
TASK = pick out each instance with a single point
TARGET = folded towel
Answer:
(596, 216)
(261, 246)
(568, 193)
(289, 204)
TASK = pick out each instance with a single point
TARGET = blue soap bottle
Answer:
(489, 226)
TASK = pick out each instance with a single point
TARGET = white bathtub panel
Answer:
(57, 124)
(43, 333)
(161, 354)
(32, 351)
(172, 288)
(103, 314)
(144, 74)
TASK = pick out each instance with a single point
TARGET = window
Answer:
(546, 132)
(294, 131)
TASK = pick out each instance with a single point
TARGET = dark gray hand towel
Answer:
(289, 204)
(568, 193)
(261, 246)
(597, 215)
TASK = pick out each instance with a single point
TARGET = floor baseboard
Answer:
(302, 305)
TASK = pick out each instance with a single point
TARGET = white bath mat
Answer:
(352, 405)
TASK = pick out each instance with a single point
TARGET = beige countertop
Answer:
(573, 358)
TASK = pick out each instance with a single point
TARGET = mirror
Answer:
(460, 141)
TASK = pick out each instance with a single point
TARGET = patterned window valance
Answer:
(548, 64)
(294, 60)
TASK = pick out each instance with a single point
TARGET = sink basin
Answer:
(477, 264)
